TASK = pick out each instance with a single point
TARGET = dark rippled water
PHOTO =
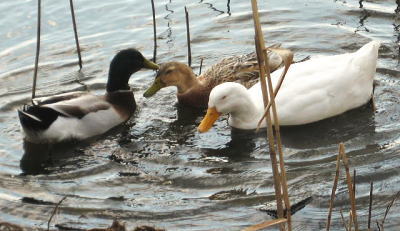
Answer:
(157, 169)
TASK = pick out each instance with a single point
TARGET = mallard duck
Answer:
(80, 115)
(194, 91)
(312, 90)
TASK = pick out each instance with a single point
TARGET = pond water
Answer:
(157, 169)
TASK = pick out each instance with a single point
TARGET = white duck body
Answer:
(312, 90)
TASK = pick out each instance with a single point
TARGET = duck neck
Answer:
(188, 82)
(118, 79)
(245, 114)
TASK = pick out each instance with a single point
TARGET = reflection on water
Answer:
(157, 168)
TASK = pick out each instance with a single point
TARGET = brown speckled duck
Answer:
(194, 90)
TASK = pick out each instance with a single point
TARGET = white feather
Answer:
(312, 90)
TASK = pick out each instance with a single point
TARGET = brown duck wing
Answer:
(242, 69)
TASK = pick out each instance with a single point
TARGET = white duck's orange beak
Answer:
(211, 116)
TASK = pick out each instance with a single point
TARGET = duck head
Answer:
(227, 98)
(172, 74)
(123, 65)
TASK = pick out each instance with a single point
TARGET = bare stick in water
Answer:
(201, 65)
(370, 205)
(154, 31)
(54, 212)
(78, 48)
(37, 51)
(188, 38)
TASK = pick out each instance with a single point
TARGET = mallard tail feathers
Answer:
(36, 118)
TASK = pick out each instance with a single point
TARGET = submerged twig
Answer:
(76, 34)
(54, 212)
(370, 205)
(37, 51)
(201, 65)
(188, 38)
(154, 31)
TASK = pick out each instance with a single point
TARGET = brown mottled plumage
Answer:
(194, 90)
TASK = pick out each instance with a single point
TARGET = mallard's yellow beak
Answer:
(208, 121)
(156, 86)
(150, 65)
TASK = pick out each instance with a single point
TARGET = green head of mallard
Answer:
(123, 65)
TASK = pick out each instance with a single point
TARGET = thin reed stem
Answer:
(188, 38)
(262, 62)
(371, 189)
(154, 30)
(78, 48)
(37, 50)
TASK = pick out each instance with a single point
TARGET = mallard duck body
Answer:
(195, 90)
(80, 115)
(312, 90)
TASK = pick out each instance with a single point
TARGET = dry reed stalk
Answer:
(283, 182)
(343, 220)
(78, 48)
(287, 57)
(370, 205)
(264, 70)
(188, 38)
(54, 212)
(265, 224)
(37, 51)
(154, 30)
(350, 219)
(334, 187)
(349, 185)
(279, 143)
(270, 135)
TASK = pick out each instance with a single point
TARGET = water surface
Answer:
(157, 169)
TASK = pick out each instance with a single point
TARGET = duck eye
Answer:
(168, 72)
(224, 97)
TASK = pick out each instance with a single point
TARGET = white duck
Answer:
(80, 115)
(312, 90)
